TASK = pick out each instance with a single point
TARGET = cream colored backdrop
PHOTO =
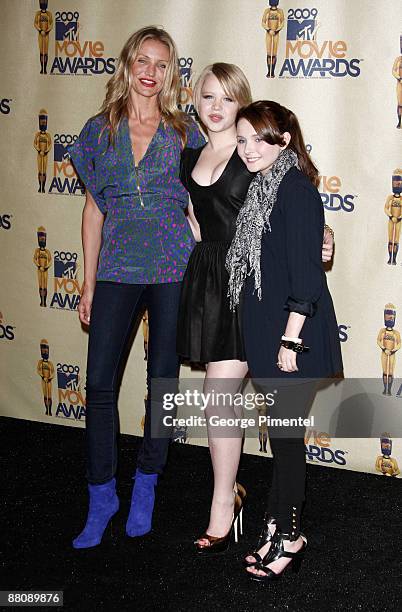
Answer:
(345, 96)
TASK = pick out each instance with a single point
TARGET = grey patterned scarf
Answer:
(243, 258)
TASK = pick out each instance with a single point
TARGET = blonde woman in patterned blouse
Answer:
(136, 242)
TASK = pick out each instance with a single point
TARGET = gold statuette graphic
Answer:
(262, 429)
(273, 22)
(393, 211)
(397, 73)
(45, 370)
(42, 259)
(389, 341)
(42, 144)
(385, 464)
(43, 23)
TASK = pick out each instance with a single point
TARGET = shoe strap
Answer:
(277, 551)
(278, 555)
(257, 557)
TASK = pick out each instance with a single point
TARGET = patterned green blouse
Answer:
(146, 236)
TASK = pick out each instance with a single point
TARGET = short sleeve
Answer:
(304, 234)
(194, 137)
(83, 154)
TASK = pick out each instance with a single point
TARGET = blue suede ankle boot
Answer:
(139, 520)
(103, 504)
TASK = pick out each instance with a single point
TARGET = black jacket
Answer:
(292, 279)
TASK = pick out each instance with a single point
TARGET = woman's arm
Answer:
(287, 357)
(304, 231)
(91, 231)
(195, 228)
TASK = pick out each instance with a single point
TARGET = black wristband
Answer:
(297, 347)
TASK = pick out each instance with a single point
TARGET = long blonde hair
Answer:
(115, 104)
(232, 80)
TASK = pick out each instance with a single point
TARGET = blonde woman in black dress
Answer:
(209, 332)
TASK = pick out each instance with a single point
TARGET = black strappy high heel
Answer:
(264, 537)
(277, 551)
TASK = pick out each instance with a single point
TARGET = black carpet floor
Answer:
(353, 523)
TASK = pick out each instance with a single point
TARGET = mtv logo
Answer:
(185, 64)
(68, 380)
(65, 269)
(304, 29)
(185, 76)
(60, 153)
(67, 30)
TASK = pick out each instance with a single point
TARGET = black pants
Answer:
(287, 492)
(115, 310)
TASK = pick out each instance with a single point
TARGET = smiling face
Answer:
(257, 154)
(149, 68)
(216, 109)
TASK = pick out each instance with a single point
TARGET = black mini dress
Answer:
(207, 329)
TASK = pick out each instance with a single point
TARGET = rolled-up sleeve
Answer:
(83, 154)
(304, 234)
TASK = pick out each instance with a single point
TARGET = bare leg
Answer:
(225, 451)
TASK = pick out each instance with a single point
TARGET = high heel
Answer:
(239, 490)
(277, 551)
(219, 545)
(139, 520)
(264, 537)
(103, 504)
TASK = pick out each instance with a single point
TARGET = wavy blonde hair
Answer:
(115, 104)
(232, 80)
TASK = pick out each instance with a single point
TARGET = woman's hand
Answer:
(327, 246)
(287, 360)
(85, 305)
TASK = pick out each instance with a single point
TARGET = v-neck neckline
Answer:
(219, 177)
(151, 142)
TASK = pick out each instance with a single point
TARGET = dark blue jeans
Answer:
(115, 310)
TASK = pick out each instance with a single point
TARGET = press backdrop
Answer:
(339, 67)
